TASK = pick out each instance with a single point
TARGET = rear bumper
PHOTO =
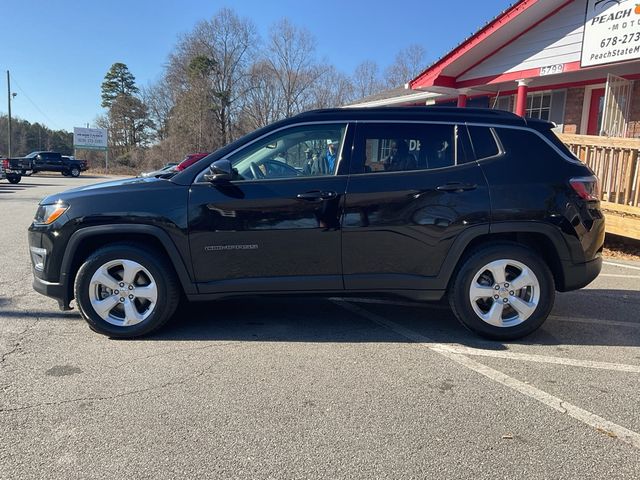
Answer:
(578, 275)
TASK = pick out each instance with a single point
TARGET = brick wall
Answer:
(573, 110)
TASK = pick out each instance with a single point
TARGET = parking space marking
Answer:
(527, 357)
(600, 424)
(595, 321)
(632, 267)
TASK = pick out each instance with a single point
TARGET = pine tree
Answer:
(118, 81)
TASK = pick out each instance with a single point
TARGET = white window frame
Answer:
(539, 110)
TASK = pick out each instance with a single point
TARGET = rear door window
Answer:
(398, 147)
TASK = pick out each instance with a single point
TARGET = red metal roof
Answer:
(499, 32)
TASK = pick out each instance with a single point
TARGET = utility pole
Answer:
(9, 101)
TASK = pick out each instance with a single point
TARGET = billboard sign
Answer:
(611, 32)
(90, 138)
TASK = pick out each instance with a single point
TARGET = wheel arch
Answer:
(86, 240)
(544, 239)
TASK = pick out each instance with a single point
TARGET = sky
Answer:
(58, 51)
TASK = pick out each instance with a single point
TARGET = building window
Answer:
(502, 103)
(539, 105)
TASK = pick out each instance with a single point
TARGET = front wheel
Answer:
(75, 172)
(124, 291)
(503, 292)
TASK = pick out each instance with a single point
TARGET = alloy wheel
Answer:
(123, 292)
(504, 293)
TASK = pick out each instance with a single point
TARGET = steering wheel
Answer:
(255, 170)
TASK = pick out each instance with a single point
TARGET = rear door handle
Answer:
(316, 196)
(456, 187)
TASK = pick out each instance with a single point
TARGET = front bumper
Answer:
(579, 275)
(57, 291)
(44, 263)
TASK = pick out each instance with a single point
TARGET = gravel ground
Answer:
(622, 248)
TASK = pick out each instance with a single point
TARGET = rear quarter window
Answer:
(525, 144)
(483, 142)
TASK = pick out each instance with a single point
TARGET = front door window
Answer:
(310, 150)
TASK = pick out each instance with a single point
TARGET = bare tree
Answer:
(159, 98)
(211, 62)
(408, 63)
(332, 89)
(366, 79)
(290, 53)
(263, 101)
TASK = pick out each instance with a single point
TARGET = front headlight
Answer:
(48, 214)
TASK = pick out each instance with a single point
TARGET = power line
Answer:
(34, 104)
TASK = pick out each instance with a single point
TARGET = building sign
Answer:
(90, 138)
(611, 32)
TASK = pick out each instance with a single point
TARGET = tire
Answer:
(14, 178)
(152, 284)
(75, 172)
(516, 312)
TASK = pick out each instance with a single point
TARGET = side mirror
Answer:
(220, 171)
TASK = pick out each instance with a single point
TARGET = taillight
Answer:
(5, 163)
(587, 188)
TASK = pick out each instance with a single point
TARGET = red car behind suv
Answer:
(190, 160)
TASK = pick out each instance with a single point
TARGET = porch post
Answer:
(521, 102)
(462, 99)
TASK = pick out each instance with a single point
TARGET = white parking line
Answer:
(602, 425)
(527, 357)
(632, 267)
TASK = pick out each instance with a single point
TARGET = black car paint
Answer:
(396, 232)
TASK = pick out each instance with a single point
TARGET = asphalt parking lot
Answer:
(313, 388)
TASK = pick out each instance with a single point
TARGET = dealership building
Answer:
(573, 62)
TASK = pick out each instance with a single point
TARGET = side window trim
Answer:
(535, 132)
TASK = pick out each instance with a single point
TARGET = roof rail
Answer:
(420, 109)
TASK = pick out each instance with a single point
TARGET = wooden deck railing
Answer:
(616, 162)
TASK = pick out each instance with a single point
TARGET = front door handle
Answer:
(316, 196)
(456, 187)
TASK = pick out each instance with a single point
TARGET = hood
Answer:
(97, 189)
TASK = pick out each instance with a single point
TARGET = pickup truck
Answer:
(9, 170)
(48, 162)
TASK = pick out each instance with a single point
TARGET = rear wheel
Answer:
(123, 291)
(14, 178)
(503, 292)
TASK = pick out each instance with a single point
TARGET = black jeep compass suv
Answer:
(483, 206)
